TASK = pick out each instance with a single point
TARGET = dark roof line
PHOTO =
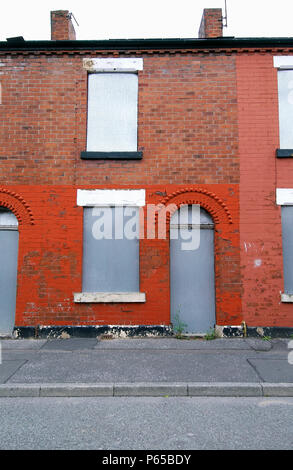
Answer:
(18, 44)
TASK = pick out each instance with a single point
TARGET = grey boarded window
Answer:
(111, 249)
(287, 236)
(285, 93)
(112, 112)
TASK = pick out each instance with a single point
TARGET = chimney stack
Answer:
(211, 25)
(61, 26)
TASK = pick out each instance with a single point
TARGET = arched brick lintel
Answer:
(206, 199)
(14, 202)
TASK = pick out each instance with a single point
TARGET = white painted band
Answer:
(283, 62)
(110, 197)
(109, 297)
(284, 196)
(129, 64)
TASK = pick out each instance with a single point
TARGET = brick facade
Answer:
(49, 96)
(260, 175)
(208, 130)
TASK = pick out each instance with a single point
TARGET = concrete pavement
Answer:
(145, 367)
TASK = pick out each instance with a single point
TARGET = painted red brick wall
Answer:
(260, 174)
(50, 259)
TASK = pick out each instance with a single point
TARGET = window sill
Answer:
(111, 155)
(109, 297)
(288, 298)
(284, 153)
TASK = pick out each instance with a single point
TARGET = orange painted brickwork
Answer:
(50, 258)
(260, 174)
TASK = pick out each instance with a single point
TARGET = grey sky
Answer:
(100, 19)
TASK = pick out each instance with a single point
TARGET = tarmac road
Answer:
(166, 423)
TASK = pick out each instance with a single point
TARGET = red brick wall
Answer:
(260, 174)
(211, 25)
(61, 26)
(187, 122)
(188, 134)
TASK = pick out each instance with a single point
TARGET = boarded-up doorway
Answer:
(192, 271)
(8, 270)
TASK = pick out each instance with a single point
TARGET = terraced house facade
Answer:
(146, 185)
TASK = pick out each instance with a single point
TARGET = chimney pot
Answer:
(61, 26)
(211, 25)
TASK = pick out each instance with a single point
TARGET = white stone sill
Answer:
(109, 297)
(287, 298)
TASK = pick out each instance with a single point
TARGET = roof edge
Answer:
(144, 44)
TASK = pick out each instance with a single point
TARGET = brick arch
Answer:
(206, 199)
(16, 204)
(224, 237)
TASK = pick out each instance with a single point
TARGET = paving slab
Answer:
(144, 360)
(280, 344)
(19, 355)
(259, 344)
(8, 368)
(136, 366)
(70, 344)
(273, 370)
(22, 344)
(174, 343)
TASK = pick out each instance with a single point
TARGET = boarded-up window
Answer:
(285, 92)
(112, 112)
(7, 219)
(111, 249)
(287, 236)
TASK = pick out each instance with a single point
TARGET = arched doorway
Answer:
(8, 270)
(192, 277)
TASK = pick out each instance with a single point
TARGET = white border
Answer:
(109, 297)
(113, 64)
(283, 62)
(110, 197)
(284, 196)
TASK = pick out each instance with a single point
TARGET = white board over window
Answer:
(112, 112)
